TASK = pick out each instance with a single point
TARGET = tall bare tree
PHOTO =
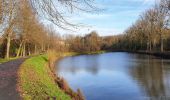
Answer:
(163, 19)
(9, 15)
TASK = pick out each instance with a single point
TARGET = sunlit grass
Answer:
(6, 60)
(36, 81)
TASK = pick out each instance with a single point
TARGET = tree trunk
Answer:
(150, 46)
(21, 53)
(19, 50)
(154, 44)
(162, 45)
(9, 30)
(24, 50)
(29, 51)
(8, 47)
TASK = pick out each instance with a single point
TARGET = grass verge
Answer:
(6, 60)
(37, 82)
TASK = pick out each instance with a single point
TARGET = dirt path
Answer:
(8, 80)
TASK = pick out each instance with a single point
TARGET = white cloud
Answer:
(102, 31)
(119, 16)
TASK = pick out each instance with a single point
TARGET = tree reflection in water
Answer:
(152, 77)
(118, 76)
(89, 63)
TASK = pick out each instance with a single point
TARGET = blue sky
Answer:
(117, 17)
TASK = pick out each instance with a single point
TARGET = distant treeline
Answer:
(89, 43)
(151, 32)
(22, 32)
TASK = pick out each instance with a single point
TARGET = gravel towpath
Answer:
(8, 80)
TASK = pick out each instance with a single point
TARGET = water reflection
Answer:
(118, 76)
(85, 62)
(151, 76)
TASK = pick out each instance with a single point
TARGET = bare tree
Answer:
(150, 30)
(9, 16)
(52, 10)
(163, 19)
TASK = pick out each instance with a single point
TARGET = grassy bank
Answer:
(37, 82)
(6, 60)
(37, 79)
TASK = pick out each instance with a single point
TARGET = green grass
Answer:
(36, 81)
(6, 60)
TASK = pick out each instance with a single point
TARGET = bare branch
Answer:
(52, 10)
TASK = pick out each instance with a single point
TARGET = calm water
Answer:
(118, 76)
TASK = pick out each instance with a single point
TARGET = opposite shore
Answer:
(164, 55)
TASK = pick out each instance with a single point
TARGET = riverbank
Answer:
(165, 55)
(37, 81)
(85, 53)
(94, 52)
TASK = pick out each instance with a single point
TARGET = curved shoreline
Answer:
(16, 63)
(37, 81)
(165, 55)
